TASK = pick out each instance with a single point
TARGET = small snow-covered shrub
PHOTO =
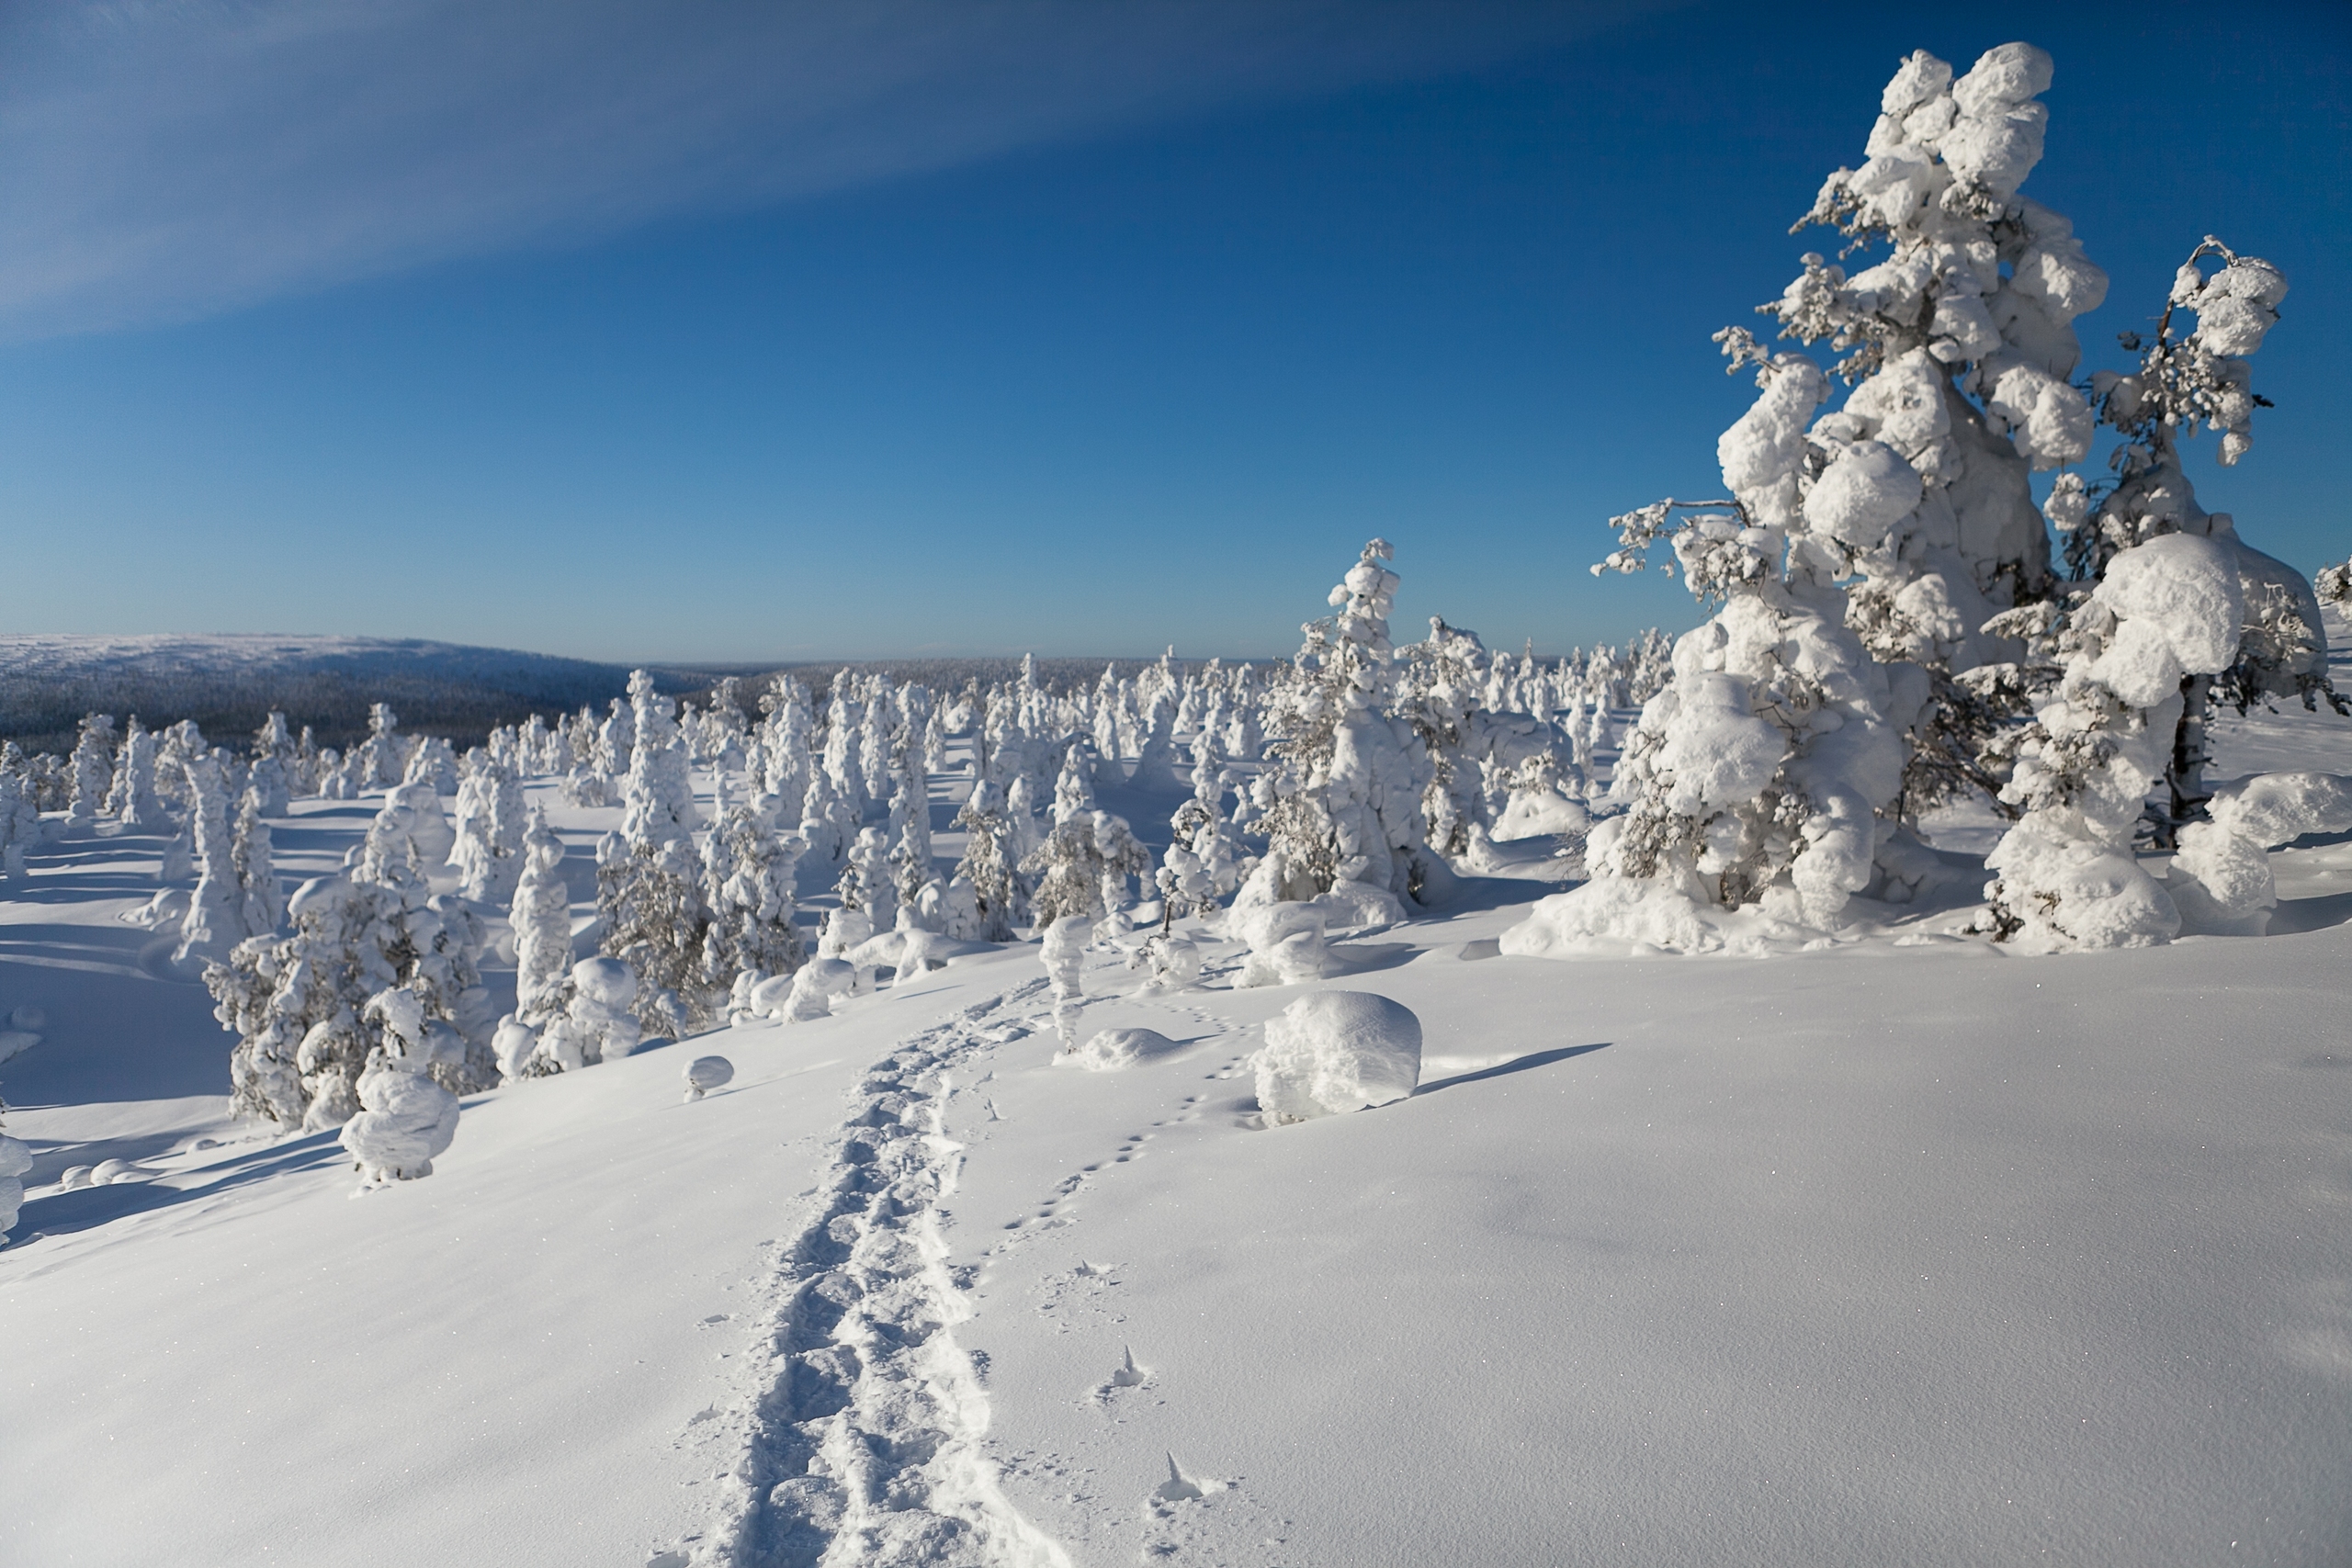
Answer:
(405, 1118)
(811, 993)
(707, 1073)
(1334, 1052)
(1064, 951)
(15, 1160)
(1110, 1049)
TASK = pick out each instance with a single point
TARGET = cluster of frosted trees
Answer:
(1344, 787)
(1890, 628)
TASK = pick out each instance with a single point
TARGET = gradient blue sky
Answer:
(999, 326)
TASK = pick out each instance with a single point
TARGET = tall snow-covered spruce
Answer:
(2175, 615)
(1342, 793)
(1862, 556)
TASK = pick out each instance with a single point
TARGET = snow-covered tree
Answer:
(657, 801)
(92, 768)
(1082, 865)
(1801, 712)
(133, 800)
(272, 778)
(491, 825)
(748, 868)
(655, 917)
(405, 1117)
(786, 763)
(988, 863)
(2125, 673)
(383, 756)
(216, 915)
(1345, 785)
(299, 1003)
(867, 885)
(540, 915)
(261, 900)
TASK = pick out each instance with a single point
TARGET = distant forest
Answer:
(438, 689)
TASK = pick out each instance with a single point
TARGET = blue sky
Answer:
(980, 328)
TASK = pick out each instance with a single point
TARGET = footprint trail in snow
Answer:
(865, 1442)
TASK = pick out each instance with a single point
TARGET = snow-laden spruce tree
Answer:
(1483, 754)
(987, 866)
(1345, 781)
(648, 877)
(216, 914)
(617, 739)
(650, 899)
(1800, 713)
(272, 780)
(93, 769)
(748, 869)
(383, 756)
(432, 761)
(844, 723)
(297, 1003)
(540, 916)
(785, 761)
(251, 853)
(658, 799)
(133, 801)
(1082, 865)
(2179, 608)
(491, 825)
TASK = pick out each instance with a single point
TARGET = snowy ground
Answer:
(1884, 1254)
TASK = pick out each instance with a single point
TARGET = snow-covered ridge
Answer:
(229, 682)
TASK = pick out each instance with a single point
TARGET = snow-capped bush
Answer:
(1285, 933)
(1063, 948)
(707, 1073)
(598, 1022)
(15, 1160)
(1333, 1051)
(405, 1118)
(810, 994)
(1109, 1050)
(1172, 960)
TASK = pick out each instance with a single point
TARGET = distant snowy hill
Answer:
(228, 683)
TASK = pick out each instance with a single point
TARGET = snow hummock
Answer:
(1334, 1052)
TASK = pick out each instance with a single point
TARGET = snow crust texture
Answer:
(864, 1447)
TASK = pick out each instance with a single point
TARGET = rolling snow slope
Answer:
(1888, 1253)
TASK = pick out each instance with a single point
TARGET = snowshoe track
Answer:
(865, 1445)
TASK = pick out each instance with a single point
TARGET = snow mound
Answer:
(707, 1073)
(1335, 1051)
(1110, 1049)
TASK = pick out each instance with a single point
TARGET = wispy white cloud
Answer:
(167, 159)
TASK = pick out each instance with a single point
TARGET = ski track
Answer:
(862, 1441)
